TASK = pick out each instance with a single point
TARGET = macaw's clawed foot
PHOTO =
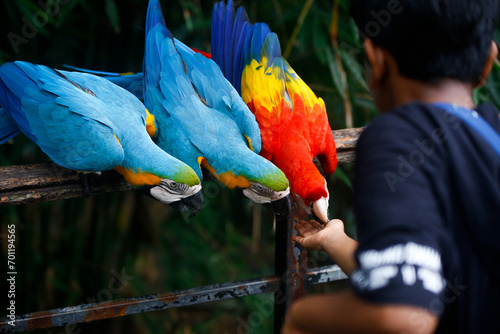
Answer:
(86, 181)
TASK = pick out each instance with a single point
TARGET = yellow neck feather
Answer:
(138, 178)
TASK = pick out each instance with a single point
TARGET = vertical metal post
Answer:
(290, 262)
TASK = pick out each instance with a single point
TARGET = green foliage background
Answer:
(68, 251)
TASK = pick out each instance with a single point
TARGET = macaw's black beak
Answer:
(191, 204)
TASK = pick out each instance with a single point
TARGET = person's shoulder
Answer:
(401, 120)
(490, 114)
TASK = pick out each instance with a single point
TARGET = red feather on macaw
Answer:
(206, 54)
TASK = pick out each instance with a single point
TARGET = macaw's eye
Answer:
(173, 187)
(261, 190)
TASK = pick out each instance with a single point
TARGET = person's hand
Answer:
(314, 236)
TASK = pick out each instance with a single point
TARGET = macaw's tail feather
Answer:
(154, 15)
(269, 49)
(235, 40)
(129, 81)
(216, 32)
(100, 73)
(256, 36)
(240, 29)
(8, 127)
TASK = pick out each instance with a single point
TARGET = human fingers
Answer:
(305, 228)
(315, 224)
(308, 242)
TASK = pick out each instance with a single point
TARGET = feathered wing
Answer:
(193, 88)
(41, 100)
(180, 99)
(321, 138)
(158, 85)
(217, 93)
(8, 127)
(129, 81)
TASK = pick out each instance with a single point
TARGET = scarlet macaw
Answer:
(86, 123)
(293, 121)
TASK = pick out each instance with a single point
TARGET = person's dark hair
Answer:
(431, 39)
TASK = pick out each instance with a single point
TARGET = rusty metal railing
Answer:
(161, 301)
(289, 283)
(44, 182)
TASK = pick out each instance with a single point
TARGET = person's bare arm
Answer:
(346, 313)
(331, 238)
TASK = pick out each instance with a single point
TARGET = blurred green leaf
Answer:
(335, 73)
(353, 67)
(113, 15)
(341, 175)
(320, 41)
(34, 18)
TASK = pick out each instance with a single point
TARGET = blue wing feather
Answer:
(8, 127)
(195, 106)
(160, 87)
(69, 135)
(85, 70)
(131, 82)
(218, 93)
(182, 102)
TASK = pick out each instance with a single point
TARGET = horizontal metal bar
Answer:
(324, 275)
(118, 308)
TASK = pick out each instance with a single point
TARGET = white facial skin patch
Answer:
(170, 191)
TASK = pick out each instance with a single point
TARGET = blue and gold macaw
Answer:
(86, 123)
(194, 104)
(201, 119)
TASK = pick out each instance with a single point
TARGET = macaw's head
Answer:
(315, 201)
(259, 179)
(187, 199)
(269, 190)
(307, 185)
(182, 191)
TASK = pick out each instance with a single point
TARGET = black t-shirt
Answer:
(428, 211)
